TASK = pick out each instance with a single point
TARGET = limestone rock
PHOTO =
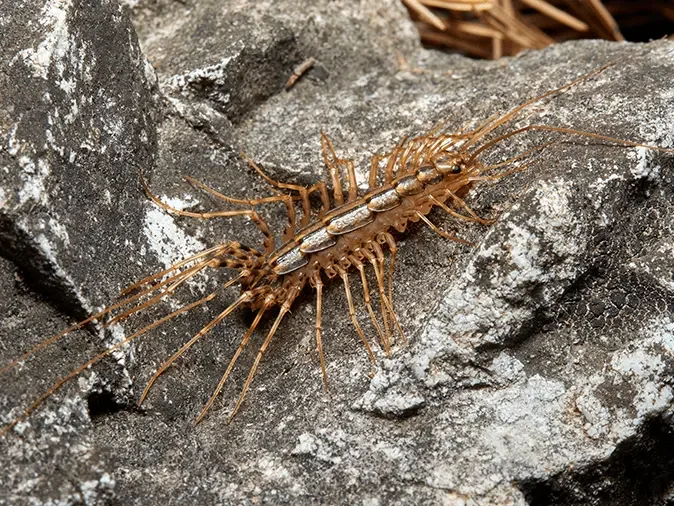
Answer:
(540, 360)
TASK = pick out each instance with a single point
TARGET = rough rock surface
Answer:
(539, 369)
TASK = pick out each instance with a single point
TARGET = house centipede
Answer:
(419, 174)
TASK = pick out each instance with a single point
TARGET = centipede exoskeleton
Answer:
(348, 236)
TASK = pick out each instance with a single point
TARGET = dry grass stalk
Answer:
(494, 28)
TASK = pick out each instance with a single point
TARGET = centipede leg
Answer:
(496, 177)
(393, 248)
(76, 372)
(207, 328)
(325, 197)
(317, 282)
(352, 312)
(375, 265)
(284, 310)
(232, 362)
(441, 232)
(173, 282)
(417, 149)
(368, 303)
(351, 173)
(379, 274)
(288, 200)
(474, 218)
(334, 166)
(216, 250)
(251, 213)
(327, 150)
(380, 281)
(392, 161)
(374, 170)
(233, 200)
(304, 193)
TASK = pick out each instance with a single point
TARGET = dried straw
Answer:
(494, 28)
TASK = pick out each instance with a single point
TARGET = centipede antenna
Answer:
(569, 131)
(207, 328)
(233, 360)
(516, 110)
(509, 161)
(496, 177)
(76, 372)
(284, 309)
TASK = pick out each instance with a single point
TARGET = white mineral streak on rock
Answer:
(645, 368)
(168, 241)
(213, 73)
(55, 44)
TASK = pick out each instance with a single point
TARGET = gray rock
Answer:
(539, 364)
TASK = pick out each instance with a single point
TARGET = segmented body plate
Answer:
(377, 211)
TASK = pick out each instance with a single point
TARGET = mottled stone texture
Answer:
(539, 365)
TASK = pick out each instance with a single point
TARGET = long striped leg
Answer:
(472, 218)
(322, 190)
(173, 282)
(251, 213)
(441, 232)
(336, 163)
(374, 170)
(352, 312)
(304, 193)
(366, 295)
(380, 281)
(233, 360)
(378, 274)
(76, 372)
(176, 282)
(418, 148)
(351, 172)
(288, 200)
(220, 249)
(318, 284)
(207, 328)
(327, 149)
(387, 238)
(284, 309)
(392, 159)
